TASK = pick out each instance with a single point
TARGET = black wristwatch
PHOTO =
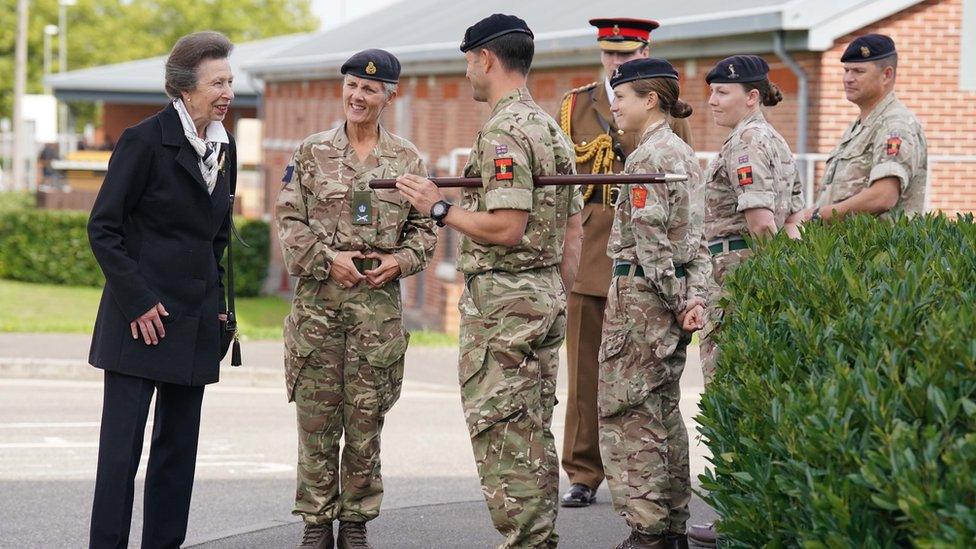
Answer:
(439, 211)
(815, 215)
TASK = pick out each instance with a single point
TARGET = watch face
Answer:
(438, 210)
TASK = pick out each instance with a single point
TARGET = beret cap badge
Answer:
(865, 51)
(732, 73)
(370, 68)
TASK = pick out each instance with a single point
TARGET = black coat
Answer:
(159, 237)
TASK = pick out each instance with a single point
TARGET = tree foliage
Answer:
(112, 31)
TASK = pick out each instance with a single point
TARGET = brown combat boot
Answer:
(317, 536)
(352, 535)
(638, 540)
(702, 536)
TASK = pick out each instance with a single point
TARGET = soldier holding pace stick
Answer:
(518, 255)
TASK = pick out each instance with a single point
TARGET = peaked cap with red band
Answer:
(623, 33)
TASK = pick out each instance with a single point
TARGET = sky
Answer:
(332, 13)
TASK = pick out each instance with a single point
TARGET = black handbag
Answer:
(228, 328)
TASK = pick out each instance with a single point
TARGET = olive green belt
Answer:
(723, 245)
(626, 269)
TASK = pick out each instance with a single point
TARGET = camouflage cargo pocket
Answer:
(297, 351)
(386, 361)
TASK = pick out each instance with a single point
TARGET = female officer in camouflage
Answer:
(344, 340)
(656, 298)
(752, 186)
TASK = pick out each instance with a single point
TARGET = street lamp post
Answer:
(62, 67)
(49, 31)
(63, 33)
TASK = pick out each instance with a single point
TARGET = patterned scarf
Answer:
(208, 151)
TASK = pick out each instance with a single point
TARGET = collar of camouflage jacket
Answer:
(385, 146)
(750, 120)
(520, 94)
(878, 110)
(652, 129)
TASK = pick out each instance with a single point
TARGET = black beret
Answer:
(738, 69)
(869, 48)
(373, 64)
(639, 69)
(492, 27)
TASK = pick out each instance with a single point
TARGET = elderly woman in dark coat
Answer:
(158, 230)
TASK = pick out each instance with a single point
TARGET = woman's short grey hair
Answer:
(187, 54)
(388, 87)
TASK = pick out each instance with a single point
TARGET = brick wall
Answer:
(116, 117)
(927, 36)
(442, 117)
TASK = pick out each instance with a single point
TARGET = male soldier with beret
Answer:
(600, 147)
(880, 166)
(519, 251)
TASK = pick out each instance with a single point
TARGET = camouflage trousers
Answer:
(643, 440)
(344, 354)
(512, 326)
(722, 264)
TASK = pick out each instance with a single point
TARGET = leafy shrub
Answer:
(843, 411)
(251, 264)
(51, 246)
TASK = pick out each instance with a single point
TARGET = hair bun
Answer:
(681, 109)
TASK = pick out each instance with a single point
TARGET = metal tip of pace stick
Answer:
(674, 177)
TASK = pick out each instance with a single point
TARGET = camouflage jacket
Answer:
(518, 141)
(315, 214)
(659, 226)
(888, 143)
(754, 169)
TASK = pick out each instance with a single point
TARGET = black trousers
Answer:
(172, 460)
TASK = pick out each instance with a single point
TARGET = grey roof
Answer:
(142, 81)
(425, 34)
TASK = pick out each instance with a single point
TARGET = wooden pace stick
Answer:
(547, 180)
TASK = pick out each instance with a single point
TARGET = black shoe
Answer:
(702, 536)
(579, 495)
(352, 535)
(317, 536)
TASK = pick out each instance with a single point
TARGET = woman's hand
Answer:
(387, 271)
(150, 325)
(693, 317)
(344, 271)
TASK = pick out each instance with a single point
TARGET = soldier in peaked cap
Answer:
(348, 246)
(519, 251)
(600, 146)
(880, 166)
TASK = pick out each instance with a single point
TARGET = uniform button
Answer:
(619, 159)
(583, 143)
(620, 132)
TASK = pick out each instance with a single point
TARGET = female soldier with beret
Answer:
(752, 186)
(348, 246)
(656, 299)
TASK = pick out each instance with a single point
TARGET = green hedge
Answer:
(843, 412)
(251, 263)
(51, 246)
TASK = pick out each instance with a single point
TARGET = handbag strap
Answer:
(231, 307)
